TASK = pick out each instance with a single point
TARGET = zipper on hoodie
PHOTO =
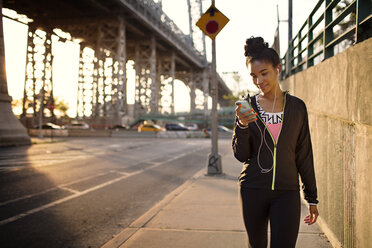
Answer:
(275, 143)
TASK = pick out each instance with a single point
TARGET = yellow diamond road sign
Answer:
(212, 22)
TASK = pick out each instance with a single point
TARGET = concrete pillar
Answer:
(11, 130)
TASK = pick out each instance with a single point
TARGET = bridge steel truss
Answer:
(38, 86)
(102, 70)
(135, 30)
(166, 76)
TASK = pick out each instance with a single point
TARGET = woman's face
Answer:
(264, 75)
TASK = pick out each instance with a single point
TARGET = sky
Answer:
(247, 18)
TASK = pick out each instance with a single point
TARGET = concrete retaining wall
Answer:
(132, 134)
(181, 134)
(338, 95)
(48, 132)
(92, 133)
(120, 133)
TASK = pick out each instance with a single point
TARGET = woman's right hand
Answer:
(247, 117)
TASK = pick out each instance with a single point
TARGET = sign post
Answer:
(211, 23)
(51, 109)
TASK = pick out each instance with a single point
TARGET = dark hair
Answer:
(257, 49)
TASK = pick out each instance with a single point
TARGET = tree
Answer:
(232, 98)
(60, 107)
(17, 106)
(237, 94)
(345, 24)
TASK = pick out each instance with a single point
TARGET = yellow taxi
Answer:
(146, 126)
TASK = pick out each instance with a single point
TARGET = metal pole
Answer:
(289, 21)
(289, 51)
(41, 111)
(173, 75)
(214, 159)
(203, 35)
(277, 13)
(214, 102)
(190, 22)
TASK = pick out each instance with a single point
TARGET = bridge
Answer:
(116, 31)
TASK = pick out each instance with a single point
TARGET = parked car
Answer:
(222, 129)
(78, 125)
(49, 125)
(146, 126)
(119, 127)
(175, 127)
(192, 127)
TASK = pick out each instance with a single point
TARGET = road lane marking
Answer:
(51, 189)
(27, 164)
(69, 190)
(120, 172)
(97, 187)
(57, 202)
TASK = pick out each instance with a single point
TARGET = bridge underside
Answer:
(111, 33)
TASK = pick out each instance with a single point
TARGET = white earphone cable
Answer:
(263, 139)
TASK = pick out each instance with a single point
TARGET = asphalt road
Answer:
(80, 192)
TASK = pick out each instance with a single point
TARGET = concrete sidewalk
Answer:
(203, 212)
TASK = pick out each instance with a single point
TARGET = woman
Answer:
(273, 142)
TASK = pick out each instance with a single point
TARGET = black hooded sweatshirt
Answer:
(289, 157)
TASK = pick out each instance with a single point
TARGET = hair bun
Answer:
(254, 46)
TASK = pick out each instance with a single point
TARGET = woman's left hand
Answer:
(311, 218)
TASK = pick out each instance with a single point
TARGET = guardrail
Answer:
(323, 35)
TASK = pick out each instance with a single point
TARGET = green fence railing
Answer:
(332, 26)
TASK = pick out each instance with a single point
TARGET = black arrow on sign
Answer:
(212, 10)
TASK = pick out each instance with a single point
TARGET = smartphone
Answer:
(246, 106)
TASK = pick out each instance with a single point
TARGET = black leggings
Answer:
(281, 207)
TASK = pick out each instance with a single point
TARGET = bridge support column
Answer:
(38, 87)
(112, 49)
(99, 104)
(166, 76)
(102, 75)
(198, 99)
(173, 75)
(86, 96)
(192, 86)
(120, 72)
(12, 132)
(153, 86)
(145, 66)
